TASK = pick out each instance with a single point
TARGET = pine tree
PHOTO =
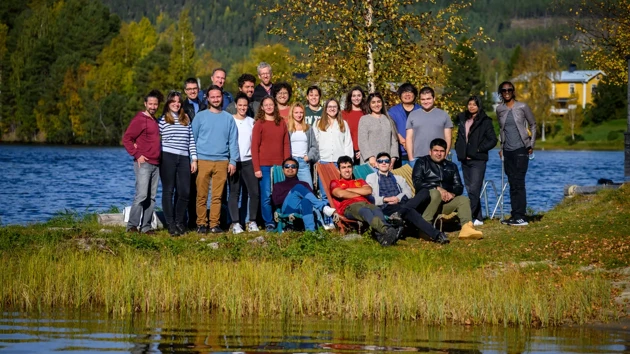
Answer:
(464, 78)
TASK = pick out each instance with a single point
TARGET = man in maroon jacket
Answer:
(142, 141)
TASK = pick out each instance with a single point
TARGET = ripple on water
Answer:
(38, 181)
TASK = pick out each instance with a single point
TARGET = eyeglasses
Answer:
(507, 90)
(383, 161)
(332, 107)
(293, 166)
(191, 89)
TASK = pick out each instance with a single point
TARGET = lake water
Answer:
(97, 333)
(38, 181)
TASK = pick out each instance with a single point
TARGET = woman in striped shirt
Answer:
(178, 149)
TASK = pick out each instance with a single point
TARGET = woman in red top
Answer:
(282, 93)
(270, 146)
(352, 113)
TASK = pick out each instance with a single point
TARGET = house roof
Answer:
(565, 76)
(578, 75)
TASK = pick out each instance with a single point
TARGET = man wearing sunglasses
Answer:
(350, 198)
(295, 196)
(393, 195)
(518, 135)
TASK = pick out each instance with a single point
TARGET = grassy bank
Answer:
(605, 136)
(558, 270)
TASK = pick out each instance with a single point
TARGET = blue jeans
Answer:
(141, 212)
(304, 171)
(301, 201)
(265, 195)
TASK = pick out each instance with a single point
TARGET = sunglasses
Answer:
(384, 161)
(294, 166)
(507, 90)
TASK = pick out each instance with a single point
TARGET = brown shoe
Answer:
(133, 229)
(468, 232)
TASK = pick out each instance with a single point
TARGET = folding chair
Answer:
(362, 171)
(282, 220)
(328, 172)
(405, 172)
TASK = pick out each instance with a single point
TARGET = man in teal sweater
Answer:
(216, 137)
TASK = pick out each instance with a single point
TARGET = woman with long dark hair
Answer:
(377, 132)
(179, 160)
(270, 146)
(475, 137)
(352, 113)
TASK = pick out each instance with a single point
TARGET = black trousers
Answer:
(244, 174)
(175, 174)
(474, 172)
(409, 211)
(516, 163)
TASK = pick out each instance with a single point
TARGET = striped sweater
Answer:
(177, 139)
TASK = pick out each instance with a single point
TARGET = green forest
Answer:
(75, 71)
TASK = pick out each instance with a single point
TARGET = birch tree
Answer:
(378, 43)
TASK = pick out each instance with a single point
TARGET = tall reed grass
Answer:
(135, 282)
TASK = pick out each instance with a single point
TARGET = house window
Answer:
(593, 89)
(571, 89)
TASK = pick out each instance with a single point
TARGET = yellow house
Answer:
(574, 87)
(569, 88)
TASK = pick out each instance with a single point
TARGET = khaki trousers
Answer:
(215, 171)
(460, 204)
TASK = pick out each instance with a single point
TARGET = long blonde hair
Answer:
(168, 116)
(323, 121)
(291, 120)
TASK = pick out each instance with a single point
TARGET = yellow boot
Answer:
(468, 232)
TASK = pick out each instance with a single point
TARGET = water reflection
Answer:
(37, 181)
(174, 334)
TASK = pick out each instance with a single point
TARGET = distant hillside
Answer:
(230, 28)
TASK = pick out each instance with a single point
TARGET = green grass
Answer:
(530, 276)
(596, 137)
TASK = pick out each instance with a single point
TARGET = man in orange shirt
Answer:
(349, 198)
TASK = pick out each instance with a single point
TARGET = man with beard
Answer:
(216, 136)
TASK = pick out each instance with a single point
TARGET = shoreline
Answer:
(564, 269)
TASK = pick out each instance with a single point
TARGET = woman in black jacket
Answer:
(475, 137)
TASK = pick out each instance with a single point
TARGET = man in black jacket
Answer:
(265, 87)
(193, 103)
(441, 178)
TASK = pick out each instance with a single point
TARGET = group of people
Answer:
(206, 142)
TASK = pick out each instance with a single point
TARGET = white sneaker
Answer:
(236, 229)
(477, 222)
(328, 211)
(252, 227)
(329, 227)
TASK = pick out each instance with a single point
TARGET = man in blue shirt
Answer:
(218, 79)
(399, 114)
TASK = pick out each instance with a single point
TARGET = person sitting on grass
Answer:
(441, 178)
(349, 197)
(295, 196)
(393, 195)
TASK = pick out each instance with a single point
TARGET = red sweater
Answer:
(270, 143)
(144, 133)
(352, 118)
